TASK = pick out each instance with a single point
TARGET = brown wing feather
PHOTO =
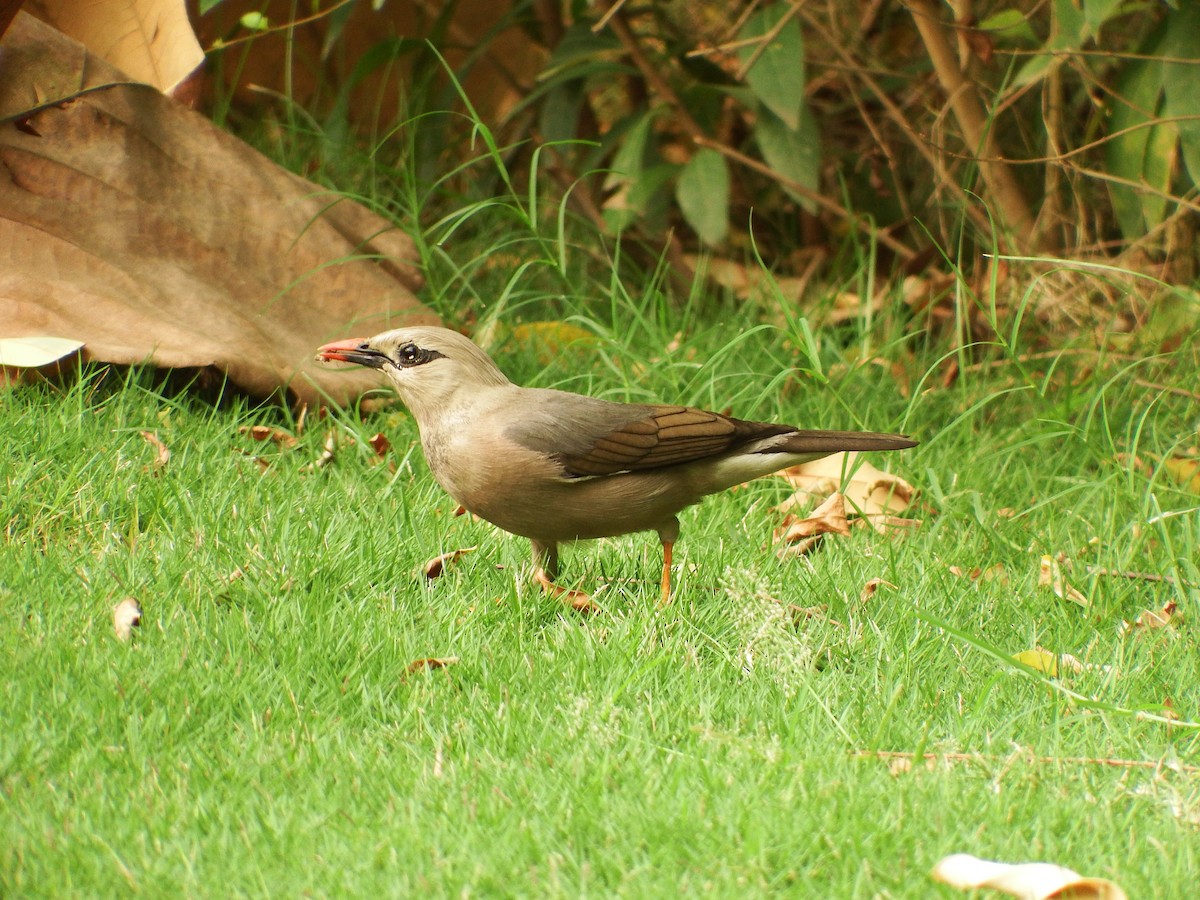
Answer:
(667, 436)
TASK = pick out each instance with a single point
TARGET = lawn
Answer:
(269, 729)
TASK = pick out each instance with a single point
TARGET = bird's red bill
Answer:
(337, 350)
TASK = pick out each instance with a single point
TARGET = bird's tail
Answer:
(804, 442)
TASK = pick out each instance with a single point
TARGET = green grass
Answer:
(262, 735)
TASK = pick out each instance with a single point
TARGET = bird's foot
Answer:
(665, 585)
(577, 600)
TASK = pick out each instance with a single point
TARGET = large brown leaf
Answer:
(135, 225)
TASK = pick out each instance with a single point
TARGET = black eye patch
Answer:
(409, 355)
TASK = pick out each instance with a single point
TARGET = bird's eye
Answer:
(408, 355)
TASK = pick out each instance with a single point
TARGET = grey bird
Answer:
(554, 466)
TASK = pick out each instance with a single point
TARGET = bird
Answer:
(554, 466)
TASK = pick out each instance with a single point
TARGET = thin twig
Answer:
(602, 23)
(1155, 386)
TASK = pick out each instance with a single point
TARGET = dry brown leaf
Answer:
(1050, 575)
(266, 433)
(437, 566)
(801, 536)
(433, 662)
(162, 455)
(1006, 512)
(871, 587)
(380, 444)
(127, 615)
(868, 491)
(994, 573)
(885, 524)
(1150, 619)
(1029, 881)
(149, 40)
(140, 228)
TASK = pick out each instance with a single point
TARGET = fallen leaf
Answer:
(1029, 881)
(1049, 663)
(162, 455)
(994, 573)
(433, 662)
(1185, 469)
(265, 433)
(436, 566)
(871, 587)
(127, 615)
(1050, 575)
(155, 236)
(883, 523)
(801, 535)
(380, 444)
(868, 491)
(149, 40)
(1150, 619)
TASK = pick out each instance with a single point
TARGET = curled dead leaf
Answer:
(127, 615)
(266, 433)
(1029, 881)
(871, 587)
(162, 454)
(435, 567)
(432, 662)
(380, 444)
(991, 573)
(868, 491)
(802, 535)
(1150, 619)
(1050, 575)
(885, 524)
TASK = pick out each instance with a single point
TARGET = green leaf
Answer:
(630, 158)
(1181, 83)
(1142, 154)
(703, 195)
(1009, 27)
(1072, 32)
(255, 21)
(793, 153)
(1098, 12)
(777, 76)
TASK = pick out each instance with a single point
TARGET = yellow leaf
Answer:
(1042, 660)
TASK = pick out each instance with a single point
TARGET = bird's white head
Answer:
(427, 365)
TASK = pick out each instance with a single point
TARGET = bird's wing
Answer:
(591, 437)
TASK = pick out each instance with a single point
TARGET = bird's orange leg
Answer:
(665, 597)
(577, 600)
